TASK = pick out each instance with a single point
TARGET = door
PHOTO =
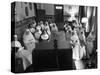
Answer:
(58, 13)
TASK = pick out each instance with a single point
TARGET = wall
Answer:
(21, 19)
(20, 11)
(49, 8)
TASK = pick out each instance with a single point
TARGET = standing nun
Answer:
(29, 41)
(76, 51)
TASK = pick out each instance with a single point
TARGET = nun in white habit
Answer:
(54, 28)
(29, 41)
(76, 51)
(25, 55)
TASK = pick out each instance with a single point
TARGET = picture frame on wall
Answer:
(53, 37)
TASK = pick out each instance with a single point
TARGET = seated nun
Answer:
(54, 28)
(68, 34)
(39, 28)
(66, 23)
(51, 24)
(45, 36)
(68, 31)
(82, 43)
(42, 25)
(47, 28)
(34, 24)
(81, 35)
(38, 32)
(31, 28)
(67, 28)
(29, 40)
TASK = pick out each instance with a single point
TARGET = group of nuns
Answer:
(82, 46)
(38, 32)
(34, 33)
(42, 31)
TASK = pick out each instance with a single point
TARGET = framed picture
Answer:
(53, 37)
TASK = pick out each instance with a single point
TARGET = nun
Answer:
(67, 27)
(54, 28)
(42, 24)
(38, 32)
(29, 40)
(82, 39)
(45, 36)
(31, 28)
(34, 24)
(25, 55)
(76, 51)
(47, 28)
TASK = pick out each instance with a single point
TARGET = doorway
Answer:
(58, 13)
